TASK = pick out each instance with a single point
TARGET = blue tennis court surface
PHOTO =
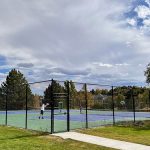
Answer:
(95, 118)
(76, 116)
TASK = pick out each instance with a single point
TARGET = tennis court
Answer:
(77, 119)
(72, 105)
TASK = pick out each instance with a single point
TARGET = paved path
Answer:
(102, 141)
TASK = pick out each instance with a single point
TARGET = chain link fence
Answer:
(57, 106)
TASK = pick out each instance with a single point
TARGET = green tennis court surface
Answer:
(77, 120)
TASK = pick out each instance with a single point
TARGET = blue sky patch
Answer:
(132, 14)
(2, 64)
(4, 70)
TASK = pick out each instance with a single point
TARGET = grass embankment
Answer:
(138, 133)
(20, 139)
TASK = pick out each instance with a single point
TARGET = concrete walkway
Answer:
(102, 141)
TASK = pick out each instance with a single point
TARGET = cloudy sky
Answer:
(97, 41)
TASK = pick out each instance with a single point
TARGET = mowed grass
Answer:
(130, 133)
(20, 139)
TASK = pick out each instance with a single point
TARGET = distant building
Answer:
(100, 98)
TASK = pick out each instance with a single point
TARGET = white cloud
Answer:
(146, 22)
(148, 2)
(2, 77)
(142, 11)
(102, 64)
(132, 21)
(124, 64)
(79, 40)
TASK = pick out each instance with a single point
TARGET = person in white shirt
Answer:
(42, 110)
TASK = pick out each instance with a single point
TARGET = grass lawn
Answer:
(20, 139)
(137, 134)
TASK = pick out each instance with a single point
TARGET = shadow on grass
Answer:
(138, 125)
(26, 135)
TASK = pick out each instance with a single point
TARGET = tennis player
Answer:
(43, 109)
(81, 109)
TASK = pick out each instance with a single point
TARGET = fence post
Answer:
(113, 105)
(68, 106)
(26, 106)
(133, 101)
(6, 103)
(149, 101)
(86, 100)
(52, 108)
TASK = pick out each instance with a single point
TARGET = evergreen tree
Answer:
(72, 88)
(73, 93)
(57, 88)
(2, 100)
(147, 74)
(15, 89)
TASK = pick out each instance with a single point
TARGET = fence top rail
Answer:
(40, 81)
(85, 83)
(69, 81)
(99, 84)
